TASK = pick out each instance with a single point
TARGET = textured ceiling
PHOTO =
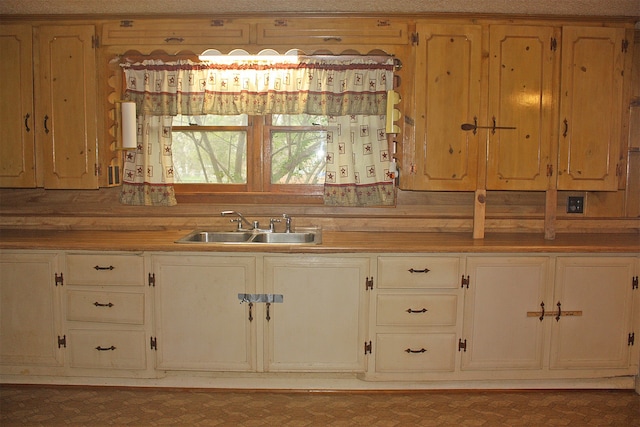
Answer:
(174, 7)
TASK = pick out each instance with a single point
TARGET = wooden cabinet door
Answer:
(522, 77)
(590, 108)
(200, 322)
(29, 310)
(596, 301)
(498, 331)
(320, 325)
(447, 87)
(17, 154)
(66, 106)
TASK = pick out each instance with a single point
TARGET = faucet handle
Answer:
(287, 224)
(239, 221)
(272, 224)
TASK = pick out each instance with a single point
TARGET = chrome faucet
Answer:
(287, 223)
(240, 220)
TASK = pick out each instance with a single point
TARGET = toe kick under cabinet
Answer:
(106, 315)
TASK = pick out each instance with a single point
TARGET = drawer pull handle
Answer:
(97, 304)
(105, 348)
(422, 350)
(413, 270)
(410, 310)
(97, 267)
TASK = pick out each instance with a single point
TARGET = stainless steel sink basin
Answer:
(250, 237)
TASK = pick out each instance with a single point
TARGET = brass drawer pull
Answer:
(422, 350)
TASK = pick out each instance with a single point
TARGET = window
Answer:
(215, 153)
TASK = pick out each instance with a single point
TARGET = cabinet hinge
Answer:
(126, 23)
(625, 45)
(95, 41)
(415, 39)
(464, 282)
(549, 170)
(59, 280)
(632, 339)
(368, 283)
(367, 347)
(462, 345)
(153, 341)
(152, 279)
(634, 282)
(62, 341)
(554, 44)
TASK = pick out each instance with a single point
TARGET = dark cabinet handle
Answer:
(105, 348)
(566, 128)
(26, 122)
(422, 350)
(46, 129)
(424, 310)
(559, 311)
(542, 315)
(268, 311)
(174, 39)
(97, 267)
(250, 312)
(413, 270)
(97, 304)
(334, 39)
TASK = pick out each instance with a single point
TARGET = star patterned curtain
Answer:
(351, 92)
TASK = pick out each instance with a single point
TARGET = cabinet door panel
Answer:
(499, 333)
(521, 95)
(590, 108)
(17, 154)
(200, 322)
(67, 106)
(600, 291)
(320, 324)
(448, 94)
(29, 318)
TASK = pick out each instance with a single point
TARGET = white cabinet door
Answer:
(200, 322)
(29, 310)
(596, 300)
(499, 332)
(320, 325)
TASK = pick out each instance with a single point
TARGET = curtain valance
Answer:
(330, 87)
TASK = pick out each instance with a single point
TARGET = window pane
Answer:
(209, 157)
(210, 120)
(298, 157)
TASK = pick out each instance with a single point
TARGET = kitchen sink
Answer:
(251, 237)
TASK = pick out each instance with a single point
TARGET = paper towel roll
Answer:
(129, 125)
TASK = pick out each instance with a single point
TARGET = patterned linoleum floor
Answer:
(102, 406)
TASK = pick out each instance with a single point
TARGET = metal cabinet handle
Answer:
(105, 348)
(97, 267)
(26, 122)
(250, 312)
(174, 39)
(413, 270)
(422, 350)
(542, 315)
(566, 128)
(424, 310)
(46, 129)
(97, 304)
(559, 311)
(268, 311)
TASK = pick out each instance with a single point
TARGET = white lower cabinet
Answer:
(30, 326)
(550, 317)
(107, 318)
(321, 323)
(200, 322)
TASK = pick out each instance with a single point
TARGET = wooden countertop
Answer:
(332, 242)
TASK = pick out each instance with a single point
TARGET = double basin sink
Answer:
(251, 237)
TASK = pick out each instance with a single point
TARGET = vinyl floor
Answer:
(28, 405)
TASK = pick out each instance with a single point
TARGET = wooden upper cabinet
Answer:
(522, 78)
(66, 106)
(175, 32)
(591, 108)
(447, 88)
(305, 31)
(17, 154)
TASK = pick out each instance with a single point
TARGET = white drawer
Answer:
(106, 349)
(105, 269)
(416, 310)
(107, 307)
(418, 272)
(415, 352)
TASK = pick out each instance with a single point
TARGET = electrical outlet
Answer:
(575, 204)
